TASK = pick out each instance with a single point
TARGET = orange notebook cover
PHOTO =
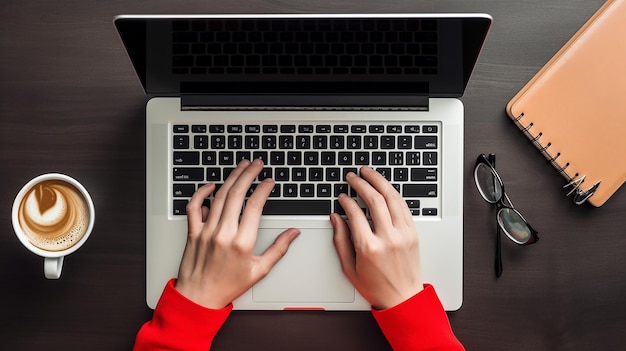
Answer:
(574, 108)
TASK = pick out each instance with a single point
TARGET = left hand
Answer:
(218, 263)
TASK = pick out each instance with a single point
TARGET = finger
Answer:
(396, 206)
(220, 197)
(359, 225)
(275, 252)
(373, 200)
(249, 224)
(343, 245)
(195, 211)
(239, 190)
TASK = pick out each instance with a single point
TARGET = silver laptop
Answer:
(314, 96)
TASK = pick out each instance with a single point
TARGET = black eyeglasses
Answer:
(510, 221)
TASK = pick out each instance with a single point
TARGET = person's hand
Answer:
(382, 261)
(218, 263)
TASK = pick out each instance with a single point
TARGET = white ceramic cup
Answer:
(53, 221)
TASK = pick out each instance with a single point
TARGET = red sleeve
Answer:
(180, 324)
(419, 323)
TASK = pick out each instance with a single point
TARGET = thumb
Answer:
(343, 245)
(276, 251)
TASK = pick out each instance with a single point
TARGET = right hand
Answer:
(383, 260)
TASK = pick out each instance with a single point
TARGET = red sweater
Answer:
(419, 323)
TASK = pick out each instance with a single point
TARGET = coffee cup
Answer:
(53, 215)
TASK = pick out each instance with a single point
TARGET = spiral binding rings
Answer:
(580, 195)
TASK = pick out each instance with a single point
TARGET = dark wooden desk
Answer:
(70, 102)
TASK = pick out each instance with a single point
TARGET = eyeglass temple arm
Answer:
(492, 160)
(498, 260)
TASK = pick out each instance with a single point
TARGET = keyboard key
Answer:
(354, 142)
(235, 142)
(323, 190)
(394, 129)
(405, 142)
(400, 174)
(358, 129)
(290, 190)
(213, 174)
(413, 203)
(281, 174)
(298, 174)
(311, 158)
(423, 174)
(316, 174)
(201, 141)
(285, 142)
(340, 128)
(387, 142)
(277, 158)
(426, 142)
(306, 129)
(333, 174)
(379, 158)
(413, 158)
(419, 190)
(235, 128)
(188, 174)
(181, 142)
(181, 128)
(337, 142)
(186, 158)
(320, 141)
(377, 129)
(307, 190)
(270, 128)
(183, 190)
(218, 142)
(303, 142)
(429, 159)
(297, 207)
(180, 207)
(294, 158)
(325, 128)
(429, 211)
(261, 155)
(198, 128)
(385, 172)
(430, 129)
(411, 129)
(253, 128)
(288, 128)
(216, 128)
(370, 142)
(266, 172)
(226, 158)
(252, 142)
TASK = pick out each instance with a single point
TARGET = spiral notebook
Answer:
(573, 110)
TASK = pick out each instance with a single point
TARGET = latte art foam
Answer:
(54, 215)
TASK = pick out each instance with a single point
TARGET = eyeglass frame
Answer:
(489, 161)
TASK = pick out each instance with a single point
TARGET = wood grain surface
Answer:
(70, 102)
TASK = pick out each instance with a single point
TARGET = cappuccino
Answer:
(54, 215)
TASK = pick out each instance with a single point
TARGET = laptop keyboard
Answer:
(309, 161)
(313, 46)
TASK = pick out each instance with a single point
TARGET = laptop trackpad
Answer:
(309, 272)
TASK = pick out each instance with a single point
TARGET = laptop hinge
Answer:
(303, 96)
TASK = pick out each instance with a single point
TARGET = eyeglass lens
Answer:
(513, 225)
(488, 183)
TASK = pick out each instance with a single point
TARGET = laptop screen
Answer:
(429, 55)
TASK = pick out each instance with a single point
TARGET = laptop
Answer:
(314, 96)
